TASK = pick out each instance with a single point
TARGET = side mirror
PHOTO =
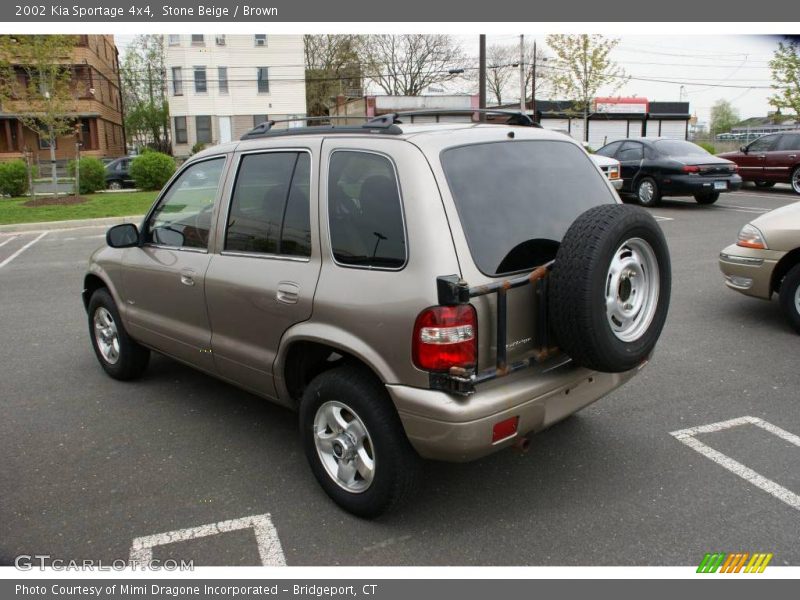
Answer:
(743, 149)
(123, 236)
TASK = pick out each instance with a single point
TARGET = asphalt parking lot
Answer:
(179, 465)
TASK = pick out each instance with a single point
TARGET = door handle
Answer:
(793, 156)
(288, 292)
(187, 277)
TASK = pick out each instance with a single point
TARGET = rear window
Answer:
(679, 148)
(516, 200)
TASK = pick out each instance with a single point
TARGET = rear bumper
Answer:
(459, 429)
(697, 184)
(748, 270)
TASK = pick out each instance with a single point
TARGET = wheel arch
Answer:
(785, 264)
(93, 281)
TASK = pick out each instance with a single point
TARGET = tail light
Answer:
(735, 168)
(445, 337)
(691, 169)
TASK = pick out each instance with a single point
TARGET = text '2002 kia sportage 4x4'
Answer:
(436, 290)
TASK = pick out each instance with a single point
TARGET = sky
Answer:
(697, 69)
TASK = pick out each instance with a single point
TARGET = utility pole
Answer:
(522, 73)
(482, 76)
(533, 83)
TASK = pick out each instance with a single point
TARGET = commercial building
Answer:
(221, 86)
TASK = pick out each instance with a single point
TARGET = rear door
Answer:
(263, 279)
(781, 161)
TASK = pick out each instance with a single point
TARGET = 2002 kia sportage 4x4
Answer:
(437, 290)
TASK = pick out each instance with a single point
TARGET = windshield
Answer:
(679, 148)
(517, 199)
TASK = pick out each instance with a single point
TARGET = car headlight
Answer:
(751, 237)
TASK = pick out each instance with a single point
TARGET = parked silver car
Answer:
(438, 291)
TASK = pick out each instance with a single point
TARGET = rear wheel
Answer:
(707, 198)
(114, 185)
(609, 288)
(765, 184)
(790, 297)
(647, 192)
(796, 180)
(119, 355)
(355, 443)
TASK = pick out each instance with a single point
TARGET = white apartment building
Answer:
(221, 86)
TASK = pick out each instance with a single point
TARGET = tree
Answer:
(143, 74)
(332, 69)
(723, 117)
(502, 70)
(38, 85)
(405, 65)
(582, 67)
(785, 65)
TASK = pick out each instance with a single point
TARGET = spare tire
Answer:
(609, 288)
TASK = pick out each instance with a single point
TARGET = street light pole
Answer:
(522, 73)
(533, 83)
(482, 76)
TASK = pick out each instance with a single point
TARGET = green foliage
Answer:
(198, 147)
(92, 174)
(785, 65)
(13, 178)
(332, 66)
(723, 117)
(707, 147)
(152, 170)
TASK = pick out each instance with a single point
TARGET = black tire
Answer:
(794, 181)
(580, 279)
(114, 184)
(788, 297)
(707, 198)
(646, 198)
(765, 184)
(396, 463)
(133, 358)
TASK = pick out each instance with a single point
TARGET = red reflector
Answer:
(444, 337)
(504, 429)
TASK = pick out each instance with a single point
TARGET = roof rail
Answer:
(266, 129)
(514, 117)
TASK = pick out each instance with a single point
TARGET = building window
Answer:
(86, 135)
(174, 40)
(263, 80)
(220, 40)
(259, 119)
(44, 143)
(200, 82)
(202, 124)
(222, 76)
(177, 81)
(198, 40)
(260, 39)
(181, 135)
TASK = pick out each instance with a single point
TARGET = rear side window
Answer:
(789, 141)
(516, 200)
(269, 211)
(364, 210)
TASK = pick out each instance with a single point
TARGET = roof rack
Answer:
(385, 124)
(266, 129)
(514, 117)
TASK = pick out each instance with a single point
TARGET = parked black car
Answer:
(656, 167)
(117, 175)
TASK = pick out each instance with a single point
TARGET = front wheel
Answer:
(707, 198)
(647, 192)
(119, 355)
(790, 297)
(355, 443)
(114, 185)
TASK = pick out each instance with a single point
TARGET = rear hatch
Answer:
(515, 200)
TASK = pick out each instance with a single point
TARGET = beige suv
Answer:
(436, 290)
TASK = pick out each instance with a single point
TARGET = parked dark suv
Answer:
(438, 290)
(770, 159)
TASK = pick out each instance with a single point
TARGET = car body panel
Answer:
(770, 158)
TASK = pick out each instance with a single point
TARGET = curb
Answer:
(73, 224)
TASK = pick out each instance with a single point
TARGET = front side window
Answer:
(269, 211)
(202, 125)
(516, 200)
(364, 210)
(631, 151)
(609, 150)
(200, 81)
(763, 144)
(263, 80)
(183, 216)
(222, 76)
(177, 81)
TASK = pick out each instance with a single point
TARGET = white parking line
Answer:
(660, 218)
(11, 239)
(687, 436)
(21, 250)
(269, 545)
